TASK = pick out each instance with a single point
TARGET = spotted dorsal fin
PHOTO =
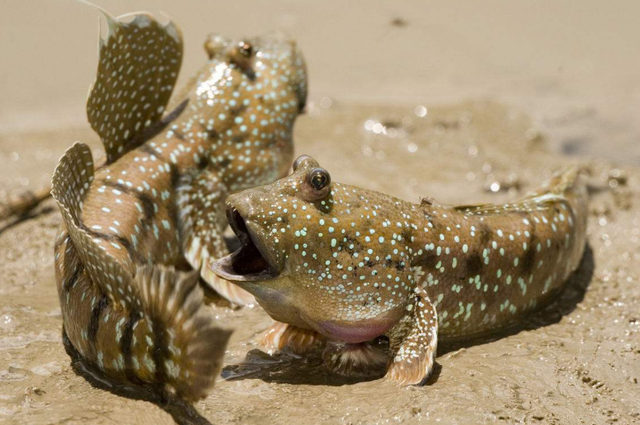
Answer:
(138, 67)
(70, 184)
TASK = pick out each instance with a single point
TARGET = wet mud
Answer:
(576, 361)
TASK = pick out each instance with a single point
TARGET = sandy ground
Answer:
(576, 362)
(386, 114)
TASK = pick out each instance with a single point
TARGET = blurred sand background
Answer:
(463, 101)
(572, 63)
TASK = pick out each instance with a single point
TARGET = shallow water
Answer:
(578, 361)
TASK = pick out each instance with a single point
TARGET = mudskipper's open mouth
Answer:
(251, 261)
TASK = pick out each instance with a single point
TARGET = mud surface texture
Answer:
(386, 112)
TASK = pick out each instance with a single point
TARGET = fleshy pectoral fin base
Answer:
(282, 336)
(414, 343)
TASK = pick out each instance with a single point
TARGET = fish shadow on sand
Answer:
(182, 412)
(288, 368)
(309, 369)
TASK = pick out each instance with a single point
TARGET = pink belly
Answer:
(354, 332)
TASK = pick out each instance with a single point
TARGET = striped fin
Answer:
(70, 184)
(195, 346)
(202, 222)
(169, 342)
(138, 67)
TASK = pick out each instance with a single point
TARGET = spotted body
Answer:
(134, 227)
(352, 264)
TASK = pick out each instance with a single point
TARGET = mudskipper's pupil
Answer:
(319, 179)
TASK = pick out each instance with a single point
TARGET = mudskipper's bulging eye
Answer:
(318, 178)
(298, 162)
(316, 186)
(242, 57)
(245, 49)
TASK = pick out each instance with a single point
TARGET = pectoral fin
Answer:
(413, 343)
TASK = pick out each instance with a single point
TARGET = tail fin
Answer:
(141, 325)
(138, 67)
(568, 185)
(562, 182)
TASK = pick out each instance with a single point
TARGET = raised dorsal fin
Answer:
(138, 67)
(70, 184)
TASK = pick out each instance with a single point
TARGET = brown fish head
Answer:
(250, 94)
(276, 53)
(314, 254)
